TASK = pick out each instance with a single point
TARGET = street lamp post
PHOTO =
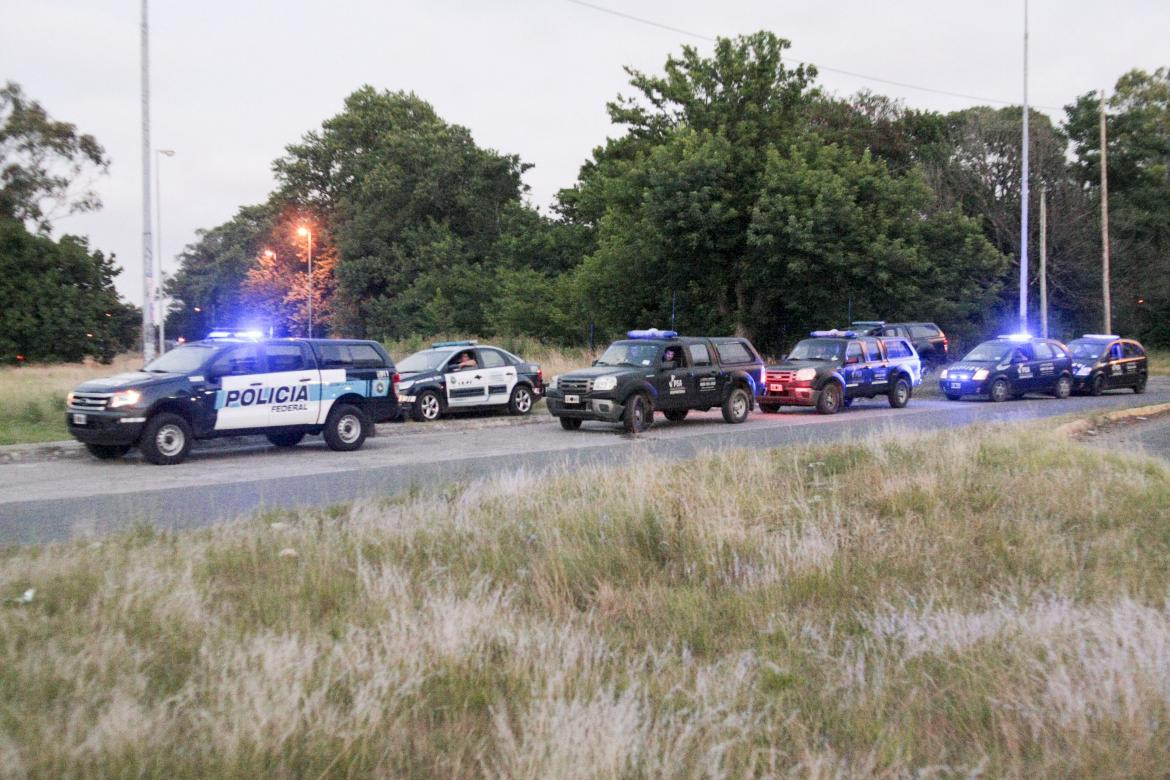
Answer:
(308, 234)
(158, 291)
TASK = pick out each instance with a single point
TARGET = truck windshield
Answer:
(818, 349)
(1087, 349)
(625, 353)
(180, 360)
(427, 360)
(989, 351)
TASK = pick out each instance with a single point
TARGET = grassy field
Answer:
(984, 601)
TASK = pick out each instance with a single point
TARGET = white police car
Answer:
(465, 376)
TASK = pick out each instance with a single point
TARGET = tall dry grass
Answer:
(986, 601)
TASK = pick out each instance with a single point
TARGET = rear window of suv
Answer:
(924, 331)
(896, 348)
(350, 356)
(733, 352)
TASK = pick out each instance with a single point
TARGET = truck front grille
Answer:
(90, 402)
(575, 386)
(782, 376)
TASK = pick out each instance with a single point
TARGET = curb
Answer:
(1078, 427)
(45, 450)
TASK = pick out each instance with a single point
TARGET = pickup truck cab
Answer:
(284, 389)
(659, 371)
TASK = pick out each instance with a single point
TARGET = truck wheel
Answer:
(285, 438)
(346, 428)
(570, 423)
(1140, 387)
(999, 391)
(1097, 386)
(830, 400)
(737, 406)
(639, 415)
(521, 400)
(1063, 388)
(427, 407)
(676, 415)
(900, 393)
(107, 451)
(166, 439)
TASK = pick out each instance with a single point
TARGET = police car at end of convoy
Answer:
(1106, 362)
(233, 385)
(1010, 367)
(832, 368)
(659, 371)
(463, 376)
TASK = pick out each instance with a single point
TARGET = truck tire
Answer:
(829, 401)
(639, 414)
(1063, 387)
(900, 393)
(346, 428)
(166, 439)
(520, 401)
(676, 415)
(1097, 386)
(285, 438)
(736, 406)
(570, 423)
(107, 451)
(427, 406)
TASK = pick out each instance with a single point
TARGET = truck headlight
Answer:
(942, 374)
(605, 383)
(980, 375)
(805, 374)
(69, 400)
(552, 383)
(124, 398)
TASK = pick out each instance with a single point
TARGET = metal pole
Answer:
(1024, 192)
(309, 243)
(1044, 260)
(147, 261)
(162, 315)
(1105, 221)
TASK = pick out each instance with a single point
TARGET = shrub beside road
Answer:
(986, 598)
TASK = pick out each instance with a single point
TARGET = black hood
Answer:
(796, 365)
(595, 371)
(131, 379)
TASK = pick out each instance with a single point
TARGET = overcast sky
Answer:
(234, 82)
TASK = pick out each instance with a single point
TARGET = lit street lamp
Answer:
(308, 234)
(158, 293)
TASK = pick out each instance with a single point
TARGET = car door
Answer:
(234, 381)
(1046, 369)
(1024, 369)
(704, 374)
(675, 384)
(854, 370)
(877, 367)
(499, 375)
(1135, 363)
(1115, 366)
(292, 384)
(465, 386)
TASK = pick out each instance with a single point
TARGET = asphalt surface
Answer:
(71, 497)
(1151, 437)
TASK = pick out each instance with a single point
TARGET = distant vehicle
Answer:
(660, 371)
(234, 385)
(464, 376)
(1105, 362)
(928, 339)
(1010, 367)
(833, 368)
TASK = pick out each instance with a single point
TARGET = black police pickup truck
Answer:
(1104, 362)
(832, 368)
(1010, 367)
(657, 370)
(283, 388)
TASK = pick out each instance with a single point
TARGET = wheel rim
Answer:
(1063, 386)
(999, 391)
(901, 391)
(739, 405)
(834, 397)
(430, 407)
(169, 440)
(1098, 385)
(523, 401)
(639, 414)
(349, 428)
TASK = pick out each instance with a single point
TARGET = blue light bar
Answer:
(439, 344)
(833, 334)
(1016, 337)
(652, 333)
(219, 333)
(1101, 336)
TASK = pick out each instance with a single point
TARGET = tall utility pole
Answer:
(148, 334)
(1044, 260)
(1105, 220)
(1024, 192)
(162, 313)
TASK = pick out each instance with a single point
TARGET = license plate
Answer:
(775, 388)
(572, 399)
(79, 419)
(956, 385)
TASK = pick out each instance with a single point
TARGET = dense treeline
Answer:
(735, 196)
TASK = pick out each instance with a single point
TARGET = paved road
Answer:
(1151, 437)
(78, 496)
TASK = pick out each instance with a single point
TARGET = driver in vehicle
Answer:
(670, 356)
(464, 361)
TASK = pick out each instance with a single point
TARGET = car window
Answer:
(853, 352)
(1043, 351)
(1115, 351)
(285, 357)
(874, 350)
(923, 331)
(244, 359)
(896, 348)
(1023, 352)
(674, 353)
(491, 359)
(733, 352)
(349, 356)
(1059, 350)
(463, 360)
(699, 354)
(1133, 350)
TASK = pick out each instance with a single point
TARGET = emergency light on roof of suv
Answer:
(439, 344)
(1016, 337)
(1105, 336)
(833, 334)
(868, 323)
(652, 333)
(239, 334)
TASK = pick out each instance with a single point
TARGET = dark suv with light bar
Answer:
(284, 389)
(928, 339)
(833, 368)
(659, 371)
